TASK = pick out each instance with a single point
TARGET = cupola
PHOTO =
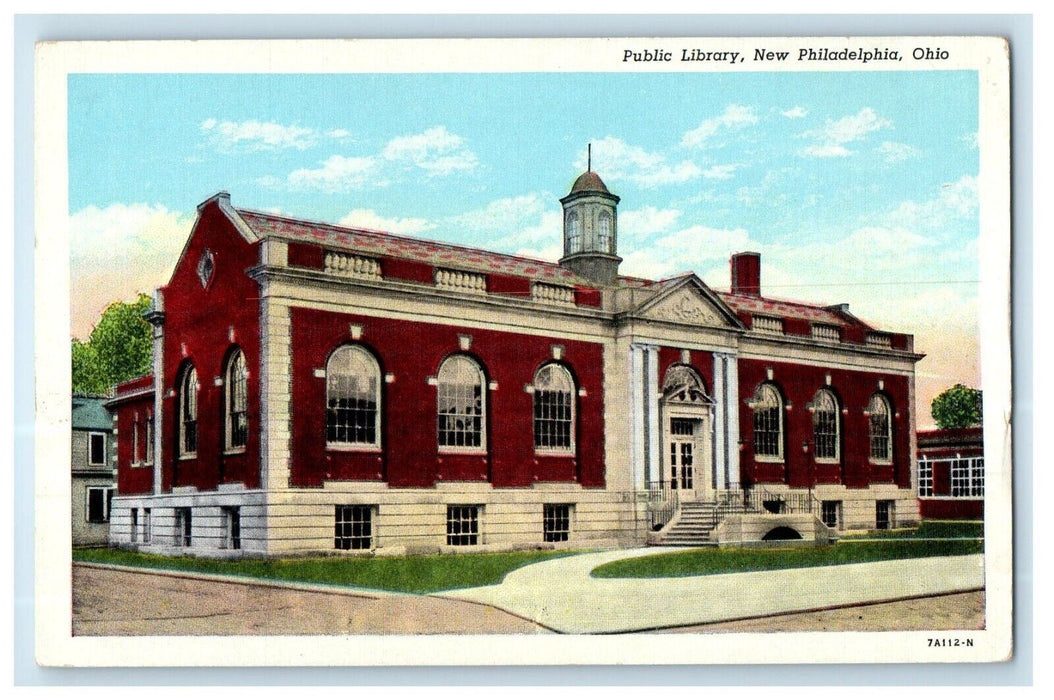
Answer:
(591, 229)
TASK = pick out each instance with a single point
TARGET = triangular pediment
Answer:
(689, 301)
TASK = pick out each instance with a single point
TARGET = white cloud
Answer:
(618, 160)
(253, 135)
(719, 172)
(970, 140)
(826, 150)
(337, 174)
(695, 248)
(957, 201)
(550, 253)
(503, 214)
(830, 139)
(734, 117)
(796, 113)
(368, 218)
(894, 152)
(436, 151)
(118, 251)
(525, 225)
(646, 221)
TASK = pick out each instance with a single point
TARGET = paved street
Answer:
(119, 602)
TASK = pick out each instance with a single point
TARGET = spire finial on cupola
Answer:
(589, 157)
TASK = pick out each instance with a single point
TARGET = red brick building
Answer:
(318, 387)
(951, 473)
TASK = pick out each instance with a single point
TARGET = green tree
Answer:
(957, 407)
(118, 349)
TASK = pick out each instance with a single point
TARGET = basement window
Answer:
(462, 525)
(556, 522)
(353, 528)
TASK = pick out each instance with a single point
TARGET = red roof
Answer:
(370, 242)
(381, 243)
(781, 308)
(589, 181)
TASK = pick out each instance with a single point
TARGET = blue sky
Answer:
(856, 187)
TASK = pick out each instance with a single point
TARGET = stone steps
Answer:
(694, 522)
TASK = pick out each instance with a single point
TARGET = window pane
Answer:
(879, 428)
(189, 400)
(553, 408)
(353, 384)
(237, 386)
(97, 448)
(96, 505)
(556, 520)
(460, 403)
(825, 425)
(462, 525)
(353, 528)
(768, 426)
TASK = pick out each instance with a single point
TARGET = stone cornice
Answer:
(428, 292)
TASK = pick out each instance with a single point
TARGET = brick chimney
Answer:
(746, 274)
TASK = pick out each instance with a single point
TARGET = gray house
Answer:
(94, 472)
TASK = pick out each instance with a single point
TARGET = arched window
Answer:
(881, 431)
(188, 413)
(460, 407)
(604, 232)
(768, 423)
(237, 416)
(574, 234)
(353, 397)
(825, 425)
(683, 384)
(554, 409)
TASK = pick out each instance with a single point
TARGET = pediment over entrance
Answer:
(690, 302)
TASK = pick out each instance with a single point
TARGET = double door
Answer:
(685, 463)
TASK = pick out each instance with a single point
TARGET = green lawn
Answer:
(411, 574)
(931, 539)
(928, 529)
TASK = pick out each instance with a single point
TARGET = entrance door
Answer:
(683, 439)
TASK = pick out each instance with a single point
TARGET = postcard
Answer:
(536, 351)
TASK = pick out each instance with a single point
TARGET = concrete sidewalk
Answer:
(561, 595)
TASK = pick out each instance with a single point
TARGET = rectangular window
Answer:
(925, 478)
(767, 432)
(98, 506)
(135, 440)
(232, 528)
(149, 439)
(556, 522)
(552, 419)
(133, 526)
(831, 514)
(183, 527)
(462, 525)
(353, 528)
(97, 449)
(146, 526)
(884, 515)
(960, 476)
(977, 476)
